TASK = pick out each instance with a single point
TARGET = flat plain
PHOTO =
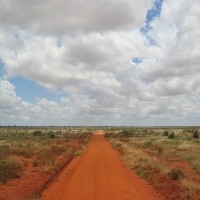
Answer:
(32, 157)
(89, 163)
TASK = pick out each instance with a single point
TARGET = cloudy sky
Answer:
(99, 62)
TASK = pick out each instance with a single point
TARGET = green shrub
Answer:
(176, 174)
(165, 133)
(51, 135)
(195, 133)
(37, 133)
(9, 169)
(125, 133)
(171, 136)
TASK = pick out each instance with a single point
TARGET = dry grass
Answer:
(191, 186)
(171, 153)
(9, 169)
(45, 146)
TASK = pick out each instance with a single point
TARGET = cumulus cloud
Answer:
(60, 17)
(172, 65)
(90, 51)
(83, 62)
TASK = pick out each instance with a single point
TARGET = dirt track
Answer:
(99, 175)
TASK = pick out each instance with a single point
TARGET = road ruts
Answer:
(99, 174)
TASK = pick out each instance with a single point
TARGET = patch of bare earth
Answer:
(170, 189)
(35, 178)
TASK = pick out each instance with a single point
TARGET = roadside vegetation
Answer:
(168, 158)
(38, 150)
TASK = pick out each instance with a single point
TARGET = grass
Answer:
(191, 185)
(39, 151)
(9, 169)
(46, 146)
(155, 153)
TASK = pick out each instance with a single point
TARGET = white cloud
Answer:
(85, 49)
(60, 17)
(172, 65)
(6, 88)
(81, 62)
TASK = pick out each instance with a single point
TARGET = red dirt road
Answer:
(99, 174)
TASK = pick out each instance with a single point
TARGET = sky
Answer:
(105, 62)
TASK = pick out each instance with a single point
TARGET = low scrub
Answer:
(171, 136)
(125, 133)
(195, 133)
(165, 133)
(167, 158)
(176, 174)
(9, 169)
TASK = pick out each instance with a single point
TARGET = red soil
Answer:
(171, 189)
(101, 175)
(32, 180)
(25, 186)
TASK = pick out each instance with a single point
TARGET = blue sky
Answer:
(29, 90)
(137, 64)
(137, 60)
(152, 13)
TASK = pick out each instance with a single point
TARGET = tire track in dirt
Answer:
(99, 174)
